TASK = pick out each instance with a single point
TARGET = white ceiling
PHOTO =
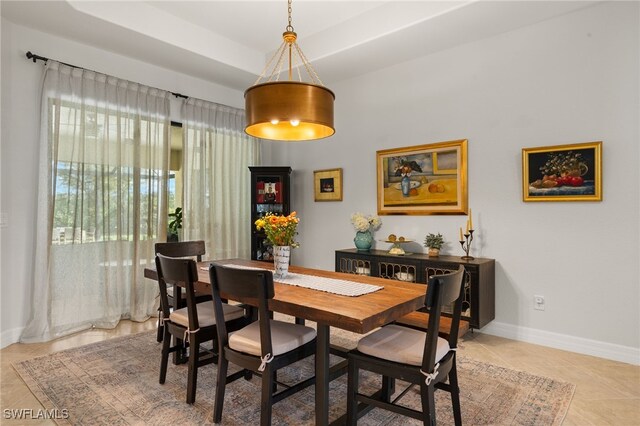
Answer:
(229, 42)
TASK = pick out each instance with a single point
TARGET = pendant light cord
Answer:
(289, 10)
(289, 46)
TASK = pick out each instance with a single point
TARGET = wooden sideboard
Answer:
(478, 306)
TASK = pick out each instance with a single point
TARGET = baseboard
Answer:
(566, 342)
(9, 337)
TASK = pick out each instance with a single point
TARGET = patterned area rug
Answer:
(116, 382)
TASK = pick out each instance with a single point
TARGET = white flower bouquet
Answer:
(363, 223)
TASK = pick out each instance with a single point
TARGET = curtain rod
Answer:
(35, 58)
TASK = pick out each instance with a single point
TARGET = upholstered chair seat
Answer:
(285, 337)
(206, 316)
(400, 344)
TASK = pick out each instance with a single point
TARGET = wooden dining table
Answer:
(359, 314)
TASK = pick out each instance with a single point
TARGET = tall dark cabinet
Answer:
(270, 193)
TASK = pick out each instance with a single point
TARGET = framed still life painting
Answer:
(423, 179)
(327, 185)
(562, 172)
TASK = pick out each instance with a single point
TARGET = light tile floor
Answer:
(607, 393)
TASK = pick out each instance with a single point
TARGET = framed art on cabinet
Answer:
(423, 180)
(327, 185)
(562, 172)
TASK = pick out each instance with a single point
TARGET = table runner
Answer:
(329, 285)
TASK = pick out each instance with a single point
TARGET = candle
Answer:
(470, 219)
(461, 234)
(467, 226)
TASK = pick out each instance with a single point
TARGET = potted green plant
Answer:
(434, 243)
(175, 225)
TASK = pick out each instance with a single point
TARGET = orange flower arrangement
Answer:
(280, 229)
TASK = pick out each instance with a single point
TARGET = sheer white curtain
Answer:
(104, 161)
(217, 198)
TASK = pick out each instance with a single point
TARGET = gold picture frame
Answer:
(436, 184)
(327, 185)
(570, 172)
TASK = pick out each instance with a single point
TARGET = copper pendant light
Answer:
(289, 110)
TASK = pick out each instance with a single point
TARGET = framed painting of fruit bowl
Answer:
(423, 179)
(562, 173)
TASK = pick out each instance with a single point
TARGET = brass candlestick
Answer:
(466, 245)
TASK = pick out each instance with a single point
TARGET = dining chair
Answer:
(68, 234)
(195, 249)
(414, 356)
(89, 236)
(77, 234)
(262, 347)
(194, 324)
(55, 236)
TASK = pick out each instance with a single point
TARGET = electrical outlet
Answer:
(538, 303)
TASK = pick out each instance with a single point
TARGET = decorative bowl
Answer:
(361, 270)
(404, 276)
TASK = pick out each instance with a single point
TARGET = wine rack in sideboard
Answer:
(478, 305)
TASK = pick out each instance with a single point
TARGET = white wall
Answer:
(567, 80)
(21, 83)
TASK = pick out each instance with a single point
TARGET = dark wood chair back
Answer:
(182, 249)
(175, 271)
(442, 290)
(237, 284)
